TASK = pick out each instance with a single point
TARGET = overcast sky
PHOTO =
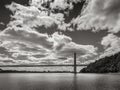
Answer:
(50, 31)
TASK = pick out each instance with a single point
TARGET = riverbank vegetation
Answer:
(105, 65)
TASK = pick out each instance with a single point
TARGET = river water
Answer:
(59, 81)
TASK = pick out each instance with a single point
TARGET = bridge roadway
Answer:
(69, 65)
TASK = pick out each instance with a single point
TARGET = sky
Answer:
(50, 31)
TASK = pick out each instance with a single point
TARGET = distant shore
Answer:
(109, 64)
(14, 71)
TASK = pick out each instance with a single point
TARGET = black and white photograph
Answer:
(59, 44)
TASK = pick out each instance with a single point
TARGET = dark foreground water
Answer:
(51, 81)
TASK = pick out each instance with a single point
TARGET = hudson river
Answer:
(59, 81)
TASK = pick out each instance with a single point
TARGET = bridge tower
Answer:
(75, 66)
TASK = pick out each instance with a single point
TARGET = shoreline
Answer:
(35, 72)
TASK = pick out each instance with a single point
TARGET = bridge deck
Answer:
(41, 65)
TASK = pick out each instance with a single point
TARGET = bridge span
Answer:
(66, 65)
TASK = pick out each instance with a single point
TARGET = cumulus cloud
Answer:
(4, 52)
(36, 47)
(27, 36)
(1, 23)
(100, 15)
(6, 61)
(111, 45)
(64, 47)
(55, 4)
(42, 13)
(32, 17)
(59, 40)
(21, 42)
(61, 4)
(17, 51)
(72, 47)
(37, 15)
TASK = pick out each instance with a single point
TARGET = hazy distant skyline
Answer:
(50, 31)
